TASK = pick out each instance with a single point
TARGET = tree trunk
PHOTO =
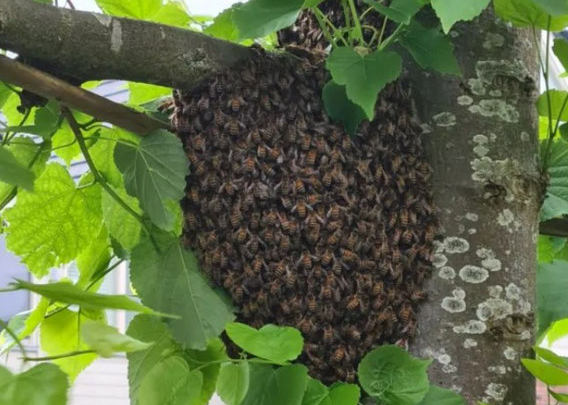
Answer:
(481, 134)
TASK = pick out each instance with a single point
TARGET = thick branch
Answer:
(90, 46)
(92, 104)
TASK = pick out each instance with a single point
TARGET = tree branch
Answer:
(90, 46)
(92, 104)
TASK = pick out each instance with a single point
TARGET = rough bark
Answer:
(481, 133)
(118, 48)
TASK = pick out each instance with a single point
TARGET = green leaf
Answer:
(551, 357)
(551, 297)
(170, 382)
(154, 172)
(258, 18)
(70, 294)
(25, 150)
(525, 13)
(148, 329)
(400, 11)
(47, 120)
(94, 259)
(442, 396)
(121, 225)
(233, 382)
(549, 247)
(23, 325)
(50, 226)
(139, 9)
(223, 26)
(562, 398)
(563, 129)
(312, 3)
(141, 93)
(59, 334)
(430, 48)
(558, 104)
(340, 109)
(13, 172)
(557, 330)
(547, 373)
(344, 394)
(556, 200)
(276, 386)
(106, 340)
(275, 343)
(553, 7)
(102, 153)
(316, 393)
(214, 354)
(391, 375)
(64, 143)
(181, 290)
(560, 49)
(363, 76)
(451, 11)
(172, 13)
(44, 384)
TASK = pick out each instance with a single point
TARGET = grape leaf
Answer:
(170, 382)
(560, 49)
(316, 393)
(94, 258)
(223, 26)
(181, 290)
(551, 357)
(556, 200)
(551, 298)
(70, 294)
(363, 76)
(344, 394)
(340, 109)
(258, 18)
(13, 172)
(451, 11)
(148, 329)
(430, 48)
(525, 13)
(392, 376)
(25, 151)
(154, 171)
(44, 384)
(554, 7)
(23, 325)
(102, 153)
(276, 386)
(545, 372)
(400, 11)
(558, 104)
(121, 225)
(141, 93)
(106, 340)
(139, 9)
(50, 226)
(214, 354)
(59, 334)
(233, 382)
(275, 343)
(441, 396)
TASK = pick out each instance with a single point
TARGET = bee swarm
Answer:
(299, 223)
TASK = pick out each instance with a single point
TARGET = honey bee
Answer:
(268, 235)
(306, 326)
(418, 295)
(261, 298)
(407, 236)
(279, 269)
(311, 157)
(301, 208)
(367, 265)
(190, 220)
(238, 293)
(284, 243)
(261, 152)
(396, 256)
(311, 303)
(249, 164)
(235, 103)
(290, 279)
(354, 334)
(285, 307)
(348, 256)
(193, 194)
(314, 199)
(306, 260)
(270, 218)
(327, 179)
(240, 235)
(274, 153)
(257, 265)
(405, 313)
(236, 216)
(429, 234)
(203, 103)
(275, 288)
(353, 303)
(350, 376)
(334, 238)
(378, 288)
(326, 292)
(233, 127)
(328, 334)
(299, 186)
(338, 354)
(327, 257)
(395, 163)
(334, 212)
(265, 102)
(200, 168)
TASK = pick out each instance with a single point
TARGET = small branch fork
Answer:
(48, 86)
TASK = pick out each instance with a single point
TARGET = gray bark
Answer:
(481, 134)
(482, 141)
(118, 48)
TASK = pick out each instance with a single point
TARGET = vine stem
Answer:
(14, 336)
(255, 360)
(356, 22)
(59, 356)
(324, 22)
(391, 38)
(9, 135)
(99, 178)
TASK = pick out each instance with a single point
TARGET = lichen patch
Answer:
(445, 119)
(473, 274)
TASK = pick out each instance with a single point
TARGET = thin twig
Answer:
(14, 336)
(59, 356)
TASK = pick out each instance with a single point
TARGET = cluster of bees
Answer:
(301, 224)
